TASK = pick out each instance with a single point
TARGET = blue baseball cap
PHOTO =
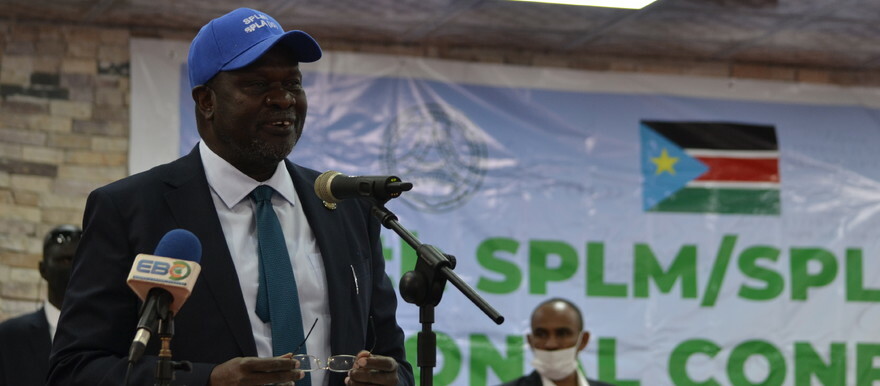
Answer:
(240, 37)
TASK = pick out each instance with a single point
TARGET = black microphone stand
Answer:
(165, 367)
(424, 286)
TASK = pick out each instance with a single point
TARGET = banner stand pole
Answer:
(424, 286)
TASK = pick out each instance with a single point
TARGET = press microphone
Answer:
(333, 186)
(163, 281)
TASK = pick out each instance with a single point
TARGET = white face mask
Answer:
(556, 364)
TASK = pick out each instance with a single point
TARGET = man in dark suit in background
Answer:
(25, 341)
(250, 110)
(557, 337)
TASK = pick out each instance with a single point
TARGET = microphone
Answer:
(163, 281)
(333, 186)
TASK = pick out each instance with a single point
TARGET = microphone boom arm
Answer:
(424, 286)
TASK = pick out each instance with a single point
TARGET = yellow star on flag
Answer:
(665, 163)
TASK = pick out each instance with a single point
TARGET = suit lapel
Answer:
(330, 235)
(193, 209)
(40, 342)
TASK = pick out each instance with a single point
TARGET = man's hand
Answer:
(372, 370)
(250, 371)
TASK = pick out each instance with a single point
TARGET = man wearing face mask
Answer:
(25, 341)
(556, 339)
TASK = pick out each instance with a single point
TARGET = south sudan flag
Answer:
(710, 167)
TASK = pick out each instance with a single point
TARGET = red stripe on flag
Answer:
(740, 169)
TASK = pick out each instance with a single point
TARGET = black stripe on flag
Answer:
(717, 135)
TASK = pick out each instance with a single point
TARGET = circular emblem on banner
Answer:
(440, 151)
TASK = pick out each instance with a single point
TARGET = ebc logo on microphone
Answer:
(180, 270)
(177, 270)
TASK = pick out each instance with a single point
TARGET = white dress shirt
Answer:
(52, 314)
(230, 189)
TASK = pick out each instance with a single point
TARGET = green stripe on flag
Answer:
(739, 201)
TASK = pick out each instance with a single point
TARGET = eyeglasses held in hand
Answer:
(335, 363)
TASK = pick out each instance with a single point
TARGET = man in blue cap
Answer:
(282, 274)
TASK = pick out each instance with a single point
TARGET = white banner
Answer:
(713, 232)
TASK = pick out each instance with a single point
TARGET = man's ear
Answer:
(585, 338)
(203, 96)
(529, 339)
(42, 268)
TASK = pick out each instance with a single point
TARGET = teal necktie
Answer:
(277, 297)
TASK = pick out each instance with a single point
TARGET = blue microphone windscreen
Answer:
(180, 244)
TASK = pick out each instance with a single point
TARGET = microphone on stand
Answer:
(333, 186)
(163, 281)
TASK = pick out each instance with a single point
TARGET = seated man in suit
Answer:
(557, 337)
(25, 341)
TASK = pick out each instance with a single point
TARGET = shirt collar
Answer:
(232, 186)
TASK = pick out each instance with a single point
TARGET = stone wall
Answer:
(64, 103)
(64, 122)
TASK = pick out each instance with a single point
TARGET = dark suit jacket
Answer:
(534, 379)
(24, 350)
(130, 216)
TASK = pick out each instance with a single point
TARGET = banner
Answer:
(712, 231)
